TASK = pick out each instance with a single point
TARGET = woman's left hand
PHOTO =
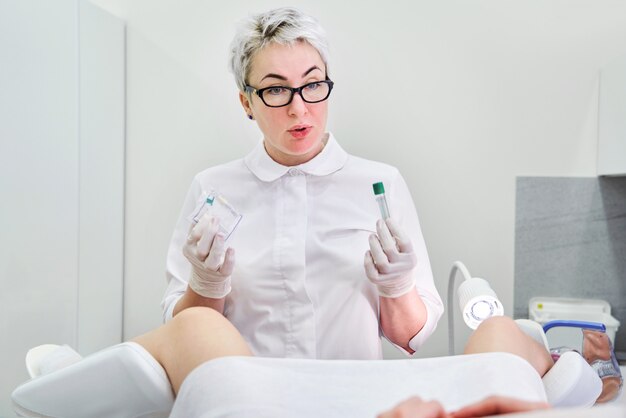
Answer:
(390, 261)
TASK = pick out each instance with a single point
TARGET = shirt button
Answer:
(294, 172)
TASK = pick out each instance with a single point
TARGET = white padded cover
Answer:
(122, 381)
(266, 387)
(125, 381)
(534, 330)
(573, 383)
(49, 358)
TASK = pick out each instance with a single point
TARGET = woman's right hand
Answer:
(211, 264)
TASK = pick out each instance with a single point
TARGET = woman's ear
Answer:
(245, 102)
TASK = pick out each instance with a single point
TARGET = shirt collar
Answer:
(332, 158)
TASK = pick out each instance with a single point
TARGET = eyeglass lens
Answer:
(280, 96)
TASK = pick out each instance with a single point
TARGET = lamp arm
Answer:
(451, 287)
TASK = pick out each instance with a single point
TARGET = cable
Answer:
(451, 287)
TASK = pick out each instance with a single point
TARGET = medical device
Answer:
(574, 384)
(379, 192)
(215, 204)
(476, 299)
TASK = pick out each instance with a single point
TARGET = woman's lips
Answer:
(300, 131)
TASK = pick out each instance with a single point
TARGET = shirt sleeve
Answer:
(403, 210)
(178, 267)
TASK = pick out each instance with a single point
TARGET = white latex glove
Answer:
(211, 265)
(390, 261)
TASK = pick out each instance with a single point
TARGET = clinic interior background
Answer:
(462, 96)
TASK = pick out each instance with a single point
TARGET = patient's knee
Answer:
(207, 333)
(195, 317)
(492, 333)
(502, 325)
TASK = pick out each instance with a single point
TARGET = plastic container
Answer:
(379, 192)
(544, 309)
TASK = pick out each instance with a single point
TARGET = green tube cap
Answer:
(378, 188)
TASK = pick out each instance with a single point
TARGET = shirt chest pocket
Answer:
(349, 231)
(350, 241)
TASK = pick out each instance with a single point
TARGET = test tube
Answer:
(379, 192)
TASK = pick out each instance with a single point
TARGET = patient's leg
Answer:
(501, 333)
(192, 337)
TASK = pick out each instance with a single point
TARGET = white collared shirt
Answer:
(299, 287)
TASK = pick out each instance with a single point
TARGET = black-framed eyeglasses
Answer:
(279, 96)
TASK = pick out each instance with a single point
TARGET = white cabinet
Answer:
(612, 119)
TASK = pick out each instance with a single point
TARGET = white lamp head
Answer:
(478, 301)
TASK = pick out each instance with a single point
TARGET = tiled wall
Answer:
(570, 241)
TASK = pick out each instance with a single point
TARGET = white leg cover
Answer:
(122, 381)
(571, 381)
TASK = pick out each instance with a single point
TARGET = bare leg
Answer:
(191, 338)
(501, 333)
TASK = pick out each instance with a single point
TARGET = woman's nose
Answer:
(297, 107)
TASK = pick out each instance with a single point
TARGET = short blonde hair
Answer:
(284, 26)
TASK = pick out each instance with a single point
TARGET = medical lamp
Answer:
(476, 299)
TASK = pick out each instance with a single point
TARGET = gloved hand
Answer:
(210, 276)
(390, 261)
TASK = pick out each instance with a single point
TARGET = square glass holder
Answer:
(216, 205)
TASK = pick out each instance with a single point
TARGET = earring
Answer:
(250, 117)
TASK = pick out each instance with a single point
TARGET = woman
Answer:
(299, 286)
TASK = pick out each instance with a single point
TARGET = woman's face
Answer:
(293, 134)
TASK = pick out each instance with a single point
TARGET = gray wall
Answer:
(570, 241)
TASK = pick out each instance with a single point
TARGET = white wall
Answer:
(102, 117)
(611, 121)
(38, 182)
(462, 96)
(61, 181)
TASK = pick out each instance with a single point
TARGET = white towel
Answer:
(267, 387)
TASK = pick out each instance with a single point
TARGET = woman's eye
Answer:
(312, 86)
(275, 91)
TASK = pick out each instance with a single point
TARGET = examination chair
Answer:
(126, 381)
